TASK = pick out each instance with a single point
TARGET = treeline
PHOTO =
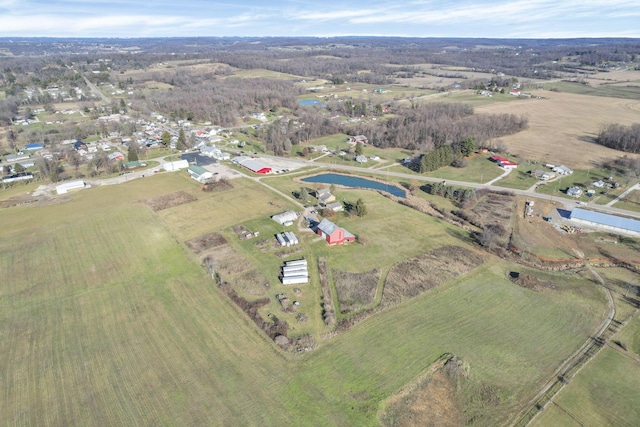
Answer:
(466, 197)
(447, 155)
(620, 137)
(221, 101)
(428, 126)
(447, 131)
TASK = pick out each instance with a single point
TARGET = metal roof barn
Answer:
(294, 271)
(68, 186)
(174, 166)
(253, 165)
(285, 217)
(295, 262)
(295, 280)
(613, 223)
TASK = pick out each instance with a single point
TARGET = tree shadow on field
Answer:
(591, 138)
(463, 236)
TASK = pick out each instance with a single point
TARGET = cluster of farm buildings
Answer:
(295, 272)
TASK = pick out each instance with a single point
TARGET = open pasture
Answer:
(562, 125)
(107, 322)
(462, 318)
(605, 392)
(108, 319)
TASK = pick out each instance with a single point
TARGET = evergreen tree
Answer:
(303, 194)
(132, 154)
(468, 146)
(165, 138)
(360, 208)
(359, 148)
(182, 140)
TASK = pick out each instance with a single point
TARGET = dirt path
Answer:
(574, 363)
(623, 195)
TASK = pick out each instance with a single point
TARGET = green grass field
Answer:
(521, 178)
(470, 97)
(107, 318)
(605, 392)
(479, 169)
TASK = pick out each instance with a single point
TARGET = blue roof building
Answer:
(611, 223)
(34, 147)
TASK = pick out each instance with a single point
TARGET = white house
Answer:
(562, 170)
(574, 191)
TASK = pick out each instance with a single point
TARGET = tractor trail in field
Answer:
(574, 363)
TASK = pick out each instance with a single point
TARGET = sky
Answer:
(249, 18)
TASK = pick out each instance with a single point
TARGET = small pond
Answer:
(313, 102)
(355, 182)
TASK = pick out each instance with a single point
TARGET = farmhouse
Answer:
(361, 159)
(543, 175)
(285, 217)
(574, 191)
(116, 156)
(514, 92)
(504, 163)
(562, 170)
(333, 234)
(612, 223)
(175, 166)
(324, 195)
(214, 153)
(71, 185)
(199, 173)
(253, 165)
(358, 138)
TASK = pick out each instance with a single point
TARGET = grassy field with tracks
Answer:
(107, 318)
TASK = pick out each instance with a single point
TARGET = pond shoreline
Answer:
(354, 181)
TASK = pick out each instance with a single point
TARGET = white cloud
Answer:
(433, 18)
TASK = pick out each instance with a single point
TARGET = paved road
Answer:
(95, 89)
(569, 204)
(527, 193)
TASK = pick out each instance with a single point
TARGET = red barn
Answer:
(333, 234)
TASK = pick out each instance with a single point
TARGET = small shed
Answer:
(335, 206)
